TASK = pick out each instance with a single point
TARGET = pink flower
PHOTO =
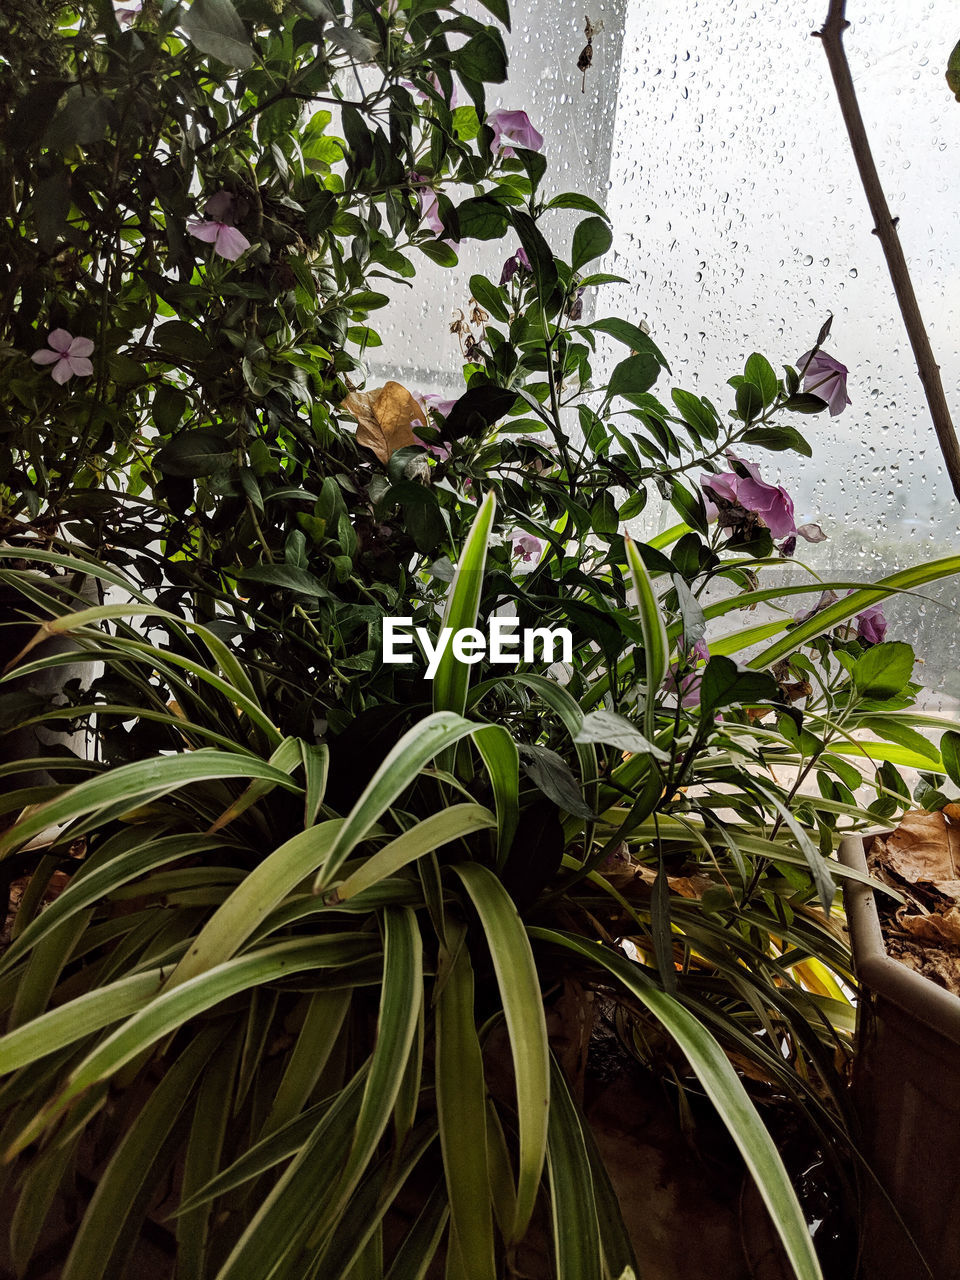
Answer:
(127, 11)
(526, 547)
(68, 355)
(827, 378)
(429, 206)
(688, 686)
(433, 405)
(513, 127)
(217, 229)
(871, 625)
(434, 79)
(770, 502)
(518, 262)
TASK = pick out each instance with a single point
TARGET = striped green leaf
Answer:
(519, 987)
(656, 650)
(463, 601)
(725, 1090)
(461, 1110)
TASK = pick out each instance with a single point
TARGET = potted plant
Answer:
(905, 1076)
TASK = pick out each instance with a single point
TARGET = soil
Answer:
(921, 861)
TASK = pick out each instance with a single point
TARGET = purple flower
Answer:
(437, 404)
(735, 497)
(217, 228)
(688, 686)
(527, 546)
(513, 127)
(127, 11)
(871, 625)
(67, 354)
(433, 405)
(770, 502)
(434, 79)
(827, 378)
(519, 262)
(429, 205)
(827, 598)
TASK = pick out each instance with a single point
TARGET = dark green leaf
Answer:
(483, 58)
(215, 28)
(551, 773)
(749, 401)
(725, 682)
(194, 453)
(950, 753)
(776, 439)
(591, 239)
(573, 200)
(489, 297)
(633, 377)
(481, 218)
(760, 372)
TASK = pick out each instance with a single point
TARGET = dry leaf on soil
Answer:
(924, 848)
(385, 418)
(941, 930)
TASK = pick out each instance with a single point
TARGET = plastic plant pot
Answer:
(906, 1087)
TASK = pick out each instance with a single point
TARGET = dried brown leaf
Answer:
(941, 930)
(385, 418)
(924, 848)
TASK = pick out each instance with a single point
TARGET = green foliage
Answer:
(309, 900)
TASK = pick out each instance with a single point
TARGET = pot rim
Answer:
(910, 991)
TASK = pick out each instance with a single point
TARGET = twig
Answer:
(885, 230)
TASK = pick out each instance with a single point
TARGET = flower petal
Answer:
(219, 207)
(229, 242)
(812, 533)
(45, 356)
(79, 365)
(61, 371)
(60, 340)
(206, 231)
(80, 347)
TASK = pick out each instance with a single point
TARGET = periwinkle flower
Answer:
(433, 405)
(127, 11)
(688, 686)
(826, 377)
(740, 497)
(429, 205)
(519, 262)
(217, 228)
(526, 547)
(513, 127)
(67, 354)
(871, 625)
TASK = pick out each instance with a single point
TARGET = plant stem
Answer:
(885, 229)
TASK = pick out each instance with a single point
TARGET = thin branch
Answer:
(885, 229)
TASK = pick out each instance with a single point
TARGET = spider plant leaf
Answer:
(576, 1228)
(460, 612)
(656, 648)
(129, 785)
(439, 829)
(401, 998)
(725, 1090)
(519, 987)
(461, 1111)
(171, 1009)
(120, 1186)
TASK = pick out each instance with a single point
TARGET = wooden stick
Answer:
(885, 230)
